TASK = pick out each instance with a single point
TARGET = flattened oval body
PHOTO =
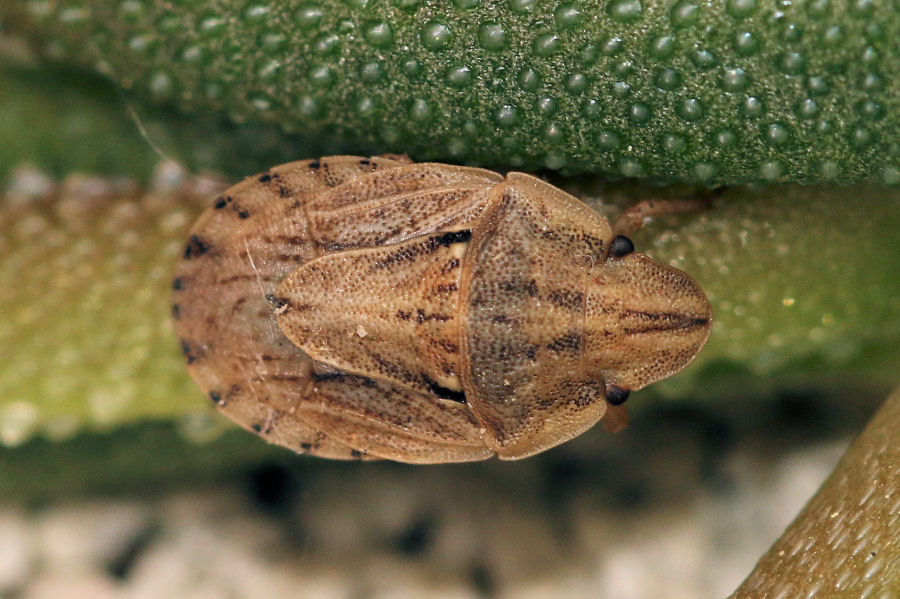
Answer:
(361, 308)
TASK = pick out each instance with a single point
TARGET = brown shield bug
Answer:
(375, 308)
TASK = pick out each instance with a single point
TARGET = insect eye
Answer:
(617, 395)
(621, 246)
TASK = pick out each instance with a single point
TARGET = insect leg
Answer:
(615, 419)
(633, 217)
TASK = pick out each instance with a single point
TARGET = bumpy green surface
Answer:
(85, 276)
(719, 92)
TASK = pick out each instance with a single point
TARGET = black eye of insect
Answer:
(621, 246)
(617, 395)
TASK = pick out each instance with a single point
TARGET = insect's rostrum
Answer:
(361, 308)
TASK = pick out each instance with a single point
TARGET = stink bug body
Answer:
(375, 308)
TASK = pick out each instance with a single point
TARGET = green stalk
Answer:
(720, 92)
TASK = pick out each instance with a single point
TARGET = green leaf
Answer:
(720, 92)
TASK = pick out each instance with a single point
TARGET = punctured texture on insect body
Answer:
(373, 308)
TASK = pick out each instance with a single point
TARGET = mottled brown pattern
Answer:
(410, 340)
(361, 308)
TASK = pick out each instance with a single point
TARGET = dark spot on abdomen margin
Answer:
(195, 248)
